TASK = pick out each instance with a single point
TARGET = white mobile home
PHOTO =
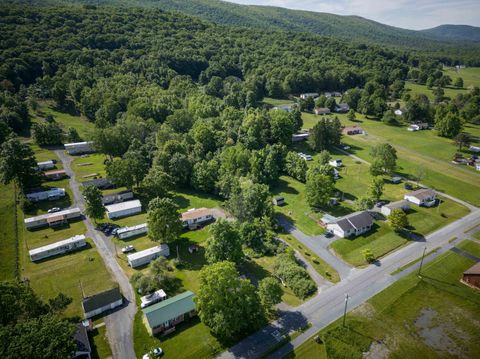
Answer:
(335, 163)
(127, 232)
(52, 219)
(144, 257)
(195, 217)
(304, 96)
(153, 298)
(77, 148)
(123, 209)
(65, 246)
(117, 197)
(50, 195)
(46, 165)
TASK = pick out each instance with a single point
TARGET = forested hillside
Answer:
(351, 28)
(455, 32)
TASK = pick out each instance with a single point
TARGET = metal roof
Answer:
(116, 207)
(196, 213)
(146, 252)
(133, 228)
(168, 309)
(74, 239)
(48, 215)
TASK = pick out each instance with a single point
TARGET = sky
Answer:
(408, 14)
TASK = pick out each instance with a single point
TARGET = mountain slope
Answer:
(275, 18)
(455, 32)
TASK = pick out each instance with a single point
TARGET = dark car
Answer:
(408, 186)
(329, 235)
(379, 204)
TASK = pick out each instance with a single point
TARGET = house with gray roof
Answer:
(162, 317)
(83, 349)
(101, 302)
(351, 225)
(387, 209)
(422, 197)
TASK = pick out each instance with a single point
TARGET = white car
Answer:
(54, 209)
(127, 249)
(154, 353)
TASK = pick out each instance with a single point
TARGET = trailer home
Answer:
(77, 148)
(144, 257)
(127, 232)
(52, 219)
(117, 197)
(55, 174)
(51, 195)
(123, 209)
(61, 247)
(196, 217)
(46, 165)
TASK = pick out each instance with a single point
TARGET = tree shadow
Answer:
(253, 271)
(283, 187)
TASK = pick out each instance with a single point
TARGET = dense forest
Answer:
(452, 43)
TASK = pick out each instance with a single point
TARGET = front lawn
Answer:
(426, 317)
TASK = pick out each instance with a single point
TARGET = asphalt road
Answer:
(119, 323)
(360, 285)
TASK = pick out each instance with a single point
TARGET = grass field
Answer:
(8, 252)
(450, 92)
(277, 102)
(470, 247)
(428, 317)
(382, 240)
(91, 164)
(66, 120)
(470, 75)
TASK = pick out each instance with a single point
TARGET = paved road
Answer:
(120, 322)
(360, 285)
(319, 246)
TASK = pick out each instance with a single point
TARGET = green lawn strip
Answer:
(92, 164)
(99, 343)
(450, 91)
(66, 120)
(8, 249)
(322, 267)
(392, 317)
(470, 247)
(277, 102)
(476, 235)
(296, 208)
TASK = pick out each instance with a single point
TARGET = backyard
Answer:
(415, 317)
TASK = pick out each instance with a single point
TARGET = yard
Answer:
(89, 166)
(382, 240)
(8, 251)
(423, 317)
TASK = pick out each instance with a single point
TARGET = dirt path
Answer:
(119, 323)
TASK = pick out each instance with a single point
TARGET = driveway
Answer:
(120, 322)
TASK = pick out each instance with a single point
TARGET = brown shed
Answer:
(472, 276)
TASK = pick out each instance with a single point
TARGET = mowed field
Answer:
(429, 317)
(8, 236)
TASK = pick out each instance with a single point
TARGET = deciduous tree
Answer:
(163, 220)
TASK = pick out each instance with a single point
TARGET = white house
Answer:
(352, 225)
(127, 232)
(77, 148)
(123, 209)
(322, 111)
(153, 298)
(195, 217)
(298, 137)
(305, 156)
(286, 108)
(60, 247)
(146, 256)
(304, 96)
(52, 194)
(46, 165)
(342, 107)
(335, 163)
(387, 209)
(101, 302)
(474, 149)
(477, 166)
(422, 197)
(52, 219)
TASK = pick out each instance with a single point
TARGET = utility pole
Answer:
(345, 310)
(421, 262)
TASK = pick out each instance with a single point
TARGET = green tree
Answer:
(94, 207)
(47, 134)
(398, 220)
(228, 305)
(325, 133)
(224, 244)
(256, 236)
(72, 135)
(368, 255)
(449, 125)
(384, 159)
(324, 157)
(462, 140)
(351, 115)
(249, 201)
(17, 163)
(120, 172)
(282, 126)
(270, 293)
(295, 166)
(376, 188)
(319, 189)
(156, 183)
(363, 203)
(163, 220)
(458, 82)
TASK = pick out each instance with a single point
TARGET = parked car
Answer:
(128, 249)
(108, 229)
(408, 186)
(54, 209)
(114, 231)
(329, 235)
(379, 204)
(154, 353)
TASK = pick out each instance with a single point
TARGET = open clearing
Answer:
(415, 317)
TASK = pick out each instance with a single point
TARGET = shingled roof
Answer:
(355, 220)
(102, 299)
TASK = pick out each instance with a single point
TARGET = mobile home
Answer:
(46, 165)
(65, 246)
(144, 257)
(77, 148)
(52, 219)
(195, 217)
(117, 197)
(51, 195)
(55, 174)
(123, 209)
(127, 232)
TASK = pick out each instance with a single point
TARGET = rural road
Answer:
(360, 285)
(119, 323)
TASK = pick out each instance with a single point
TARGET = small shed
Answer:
(278, 201)
(396, 180)
(471, 276)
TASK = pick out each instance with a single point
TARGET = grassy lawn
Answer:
(470, 75)
(477, 235)
(450, 91)
(92, 164)
(277, 102)
(428, 317)
(99, 343)
(7, 232)
(322, 267)
(382, 240)
(66, 120)
(470, 247)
